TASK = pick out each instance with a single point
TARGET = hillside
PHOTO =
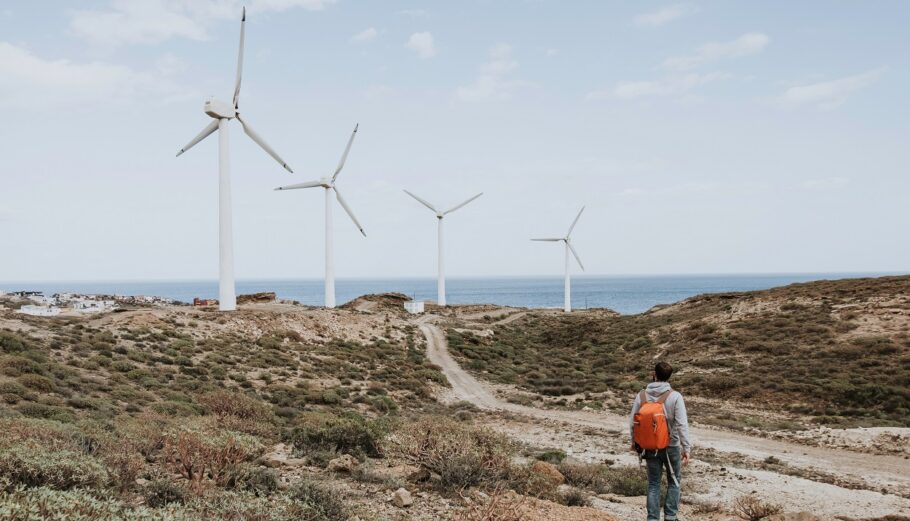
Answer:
(274, 412)
(281, 412)
(830, 352)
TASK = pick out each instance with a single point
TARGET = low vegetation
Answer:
(837, 351)
(175, 413)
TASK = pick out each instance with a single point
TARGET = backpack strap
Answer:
(643, 397)
(664, 396)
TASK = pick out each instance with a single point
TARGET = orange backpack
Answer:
(650, 429)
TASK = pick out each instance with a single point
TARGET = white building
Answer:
(414, 306)
(39, 311)
(93, 306)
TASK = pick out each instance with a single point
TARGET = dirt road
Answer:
(878, 472)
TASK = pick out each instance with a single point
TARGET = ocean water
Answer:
(625, 294)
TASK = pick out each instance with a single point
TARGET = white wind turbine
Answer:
(329, 184)
(441, 281)
(221, 113)
(567, 306)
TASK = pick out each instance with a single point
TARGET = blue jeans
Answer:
(656, 466)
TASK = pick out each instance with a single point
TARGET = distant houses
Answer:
(39, 311)
(414, 306)
(75, 303)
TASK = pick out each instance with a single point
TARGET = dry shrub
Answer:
(462, 455)
(751, 508)
(145, 434)
(123, 465)
(49, 434)
(499, 506)
(202, 453)
(238, 412)
(598, 478)
(524, 480)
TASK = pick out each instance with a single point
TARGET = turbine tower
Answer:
(567, 306)
(441, 281)
(330, 189)
(221, 113)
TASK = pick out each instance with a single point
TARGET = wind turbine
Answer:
(221, 113)
(567, 306)
(441, 281)
(329, 184)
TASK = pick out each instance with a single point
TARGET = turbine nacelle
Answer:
(219, 109)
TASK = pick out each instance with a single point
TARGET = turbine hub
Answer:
(219, 109)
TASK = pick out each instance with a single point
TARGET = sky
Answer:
(701, 137)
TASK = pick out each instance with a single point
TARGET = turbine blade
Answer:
(259, 141)
(347, 208)
(344, 156)
(462, 204)
(577, 217)
(575, 253)
(422, 201)
(308, 184)
(547, 240)
(240, 59)
(206, 132)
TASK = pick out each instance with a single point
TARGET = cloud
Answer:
(670, 85)
(551, 52)
(365, 35)
(663, 15)
(746, 45)
(493, 81)
(28, 81)
(828, 95)
(422, 44)
(126, 22)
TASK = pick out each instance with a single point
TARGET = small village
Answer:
(75, 304)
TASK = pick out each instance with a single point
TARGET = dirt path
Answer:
(879, 472)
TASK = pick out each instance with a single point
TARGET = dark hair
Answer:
(662, 371)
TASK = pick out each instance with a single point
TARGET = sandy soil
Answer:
(595, 436)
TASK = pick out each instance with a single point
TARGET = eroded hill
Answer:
(829, 352)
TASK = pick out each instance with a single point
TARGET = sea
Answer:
(626, 294)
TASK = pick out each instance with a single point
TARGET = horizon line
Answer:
(466, 277)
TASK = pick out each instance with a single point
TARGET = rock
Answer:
(344, 463)
(263, 297)
(142, 482)
(401, 498)
(548, 471)
(794, 516)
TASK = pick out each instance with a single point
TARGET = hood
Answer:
(655, 389)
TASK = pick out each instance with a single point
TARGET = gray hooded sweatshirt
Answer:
(676, 414)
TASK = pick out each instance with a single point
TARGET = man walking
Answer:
(649, 423)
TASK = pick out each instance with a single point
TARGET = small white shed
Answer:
(414, 306)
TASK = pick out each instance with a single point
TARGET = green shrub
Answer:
(47, 412)
(258, 481)
(348, 433)
(37, 382)
(555, 456)
(12, 343)
(31, 466)
(319, 502)
(163, 492)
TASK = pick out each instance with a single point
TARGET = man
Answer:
(676, 454)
